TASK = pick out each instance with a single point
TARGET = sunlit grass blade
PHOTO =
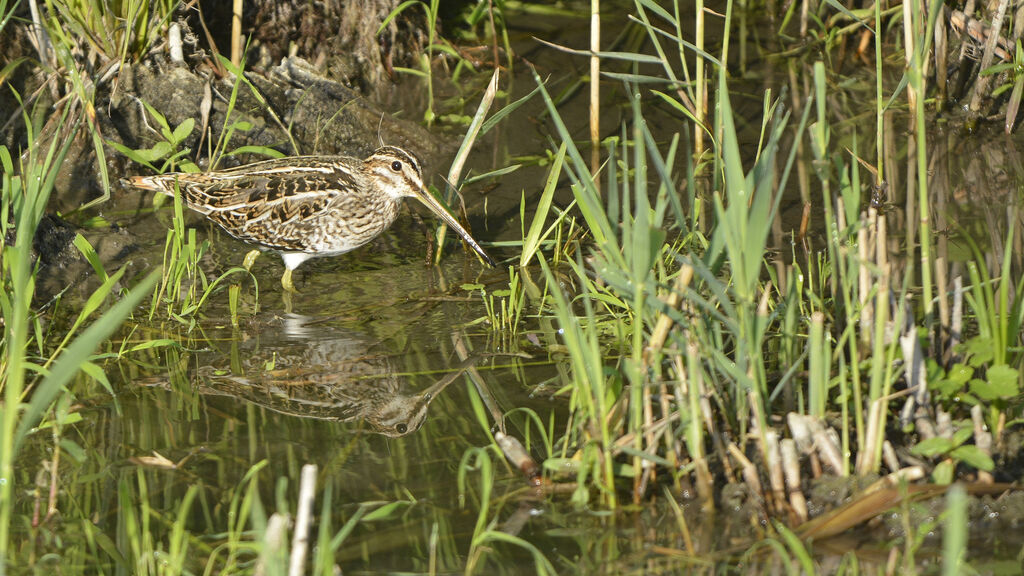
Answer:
(67, 364)
(533, 238)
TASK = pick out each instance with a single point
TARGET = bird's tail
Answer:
(160, 183)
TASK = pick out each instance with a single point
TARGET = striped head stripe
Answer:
(406, 157)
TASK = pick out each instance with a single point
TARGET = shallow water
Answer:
(340, 382)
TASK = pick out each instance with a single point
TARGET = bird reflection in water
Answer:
(332, 376)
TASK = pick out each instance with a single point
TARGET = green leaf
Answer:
(973, 456)
(943, 472)
(863, 21)
(500, 114)
(71, 359)
(154, 344)
(962, 434)
(658, 10)
(133, 155)
(980, 350)
(564, 466)
(997, 69)
(1005, 378)
(536, 235)
(492, 174)
(960, 373)
(385, 511)
(401, 8)
(989, 391)
(624, 470)
(97, 374)
(183, 130)
(932, 447)
(253, 149)
(159, 118)
(946, 388)
(73, 449)
(89, 252)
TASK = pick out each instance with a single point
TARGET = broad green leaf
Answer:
(932, 447)
(76, 452)
(1004, 377)
(943, 472)
(97, 374)
(960, 373)
(963, 434)
(989, 391)
(980, 350)
(183, 130)
(973, 456)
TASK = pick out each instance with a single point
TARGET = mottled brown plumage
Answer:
(307, 206)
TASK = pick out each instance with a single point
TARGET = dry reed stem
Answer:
(981, 84)
(40, 38)
(664, 323)
(908, 56)
(1013, 106)
(236, 32)
(273, 540)
(791, 472)
(478, 382)
(776, 475)
(174, 45)
(892, 461)
(914, 368)
(595, 91)
(864, 285)
(303, 520)
(956, 322)
(941, 55)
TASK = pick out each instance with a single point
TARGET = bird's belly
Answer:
(339, 235)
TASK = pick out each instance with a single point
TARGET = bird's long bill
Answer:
(424, 195)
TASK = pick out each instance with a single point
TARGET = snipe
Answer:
(307, 206)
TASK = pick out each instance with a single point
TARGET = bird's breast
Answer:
(349, 225)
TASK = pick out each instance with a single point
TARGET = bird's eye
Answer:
(396, 166)
(402, 428)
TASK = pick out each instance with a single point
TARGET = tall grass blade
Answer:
(68, 363)
(533, 238)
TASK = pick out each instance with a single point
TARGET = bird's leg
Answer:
(291, 262)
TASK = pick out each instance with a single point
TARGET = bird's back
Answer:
(280, 204)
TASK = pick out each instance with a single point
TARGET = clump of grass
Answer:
(680, 340)
(109, 35)
(184, 288)
(34, 372)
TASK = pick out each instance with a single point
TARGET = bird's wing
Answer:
(270, 202)
(264, 206)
